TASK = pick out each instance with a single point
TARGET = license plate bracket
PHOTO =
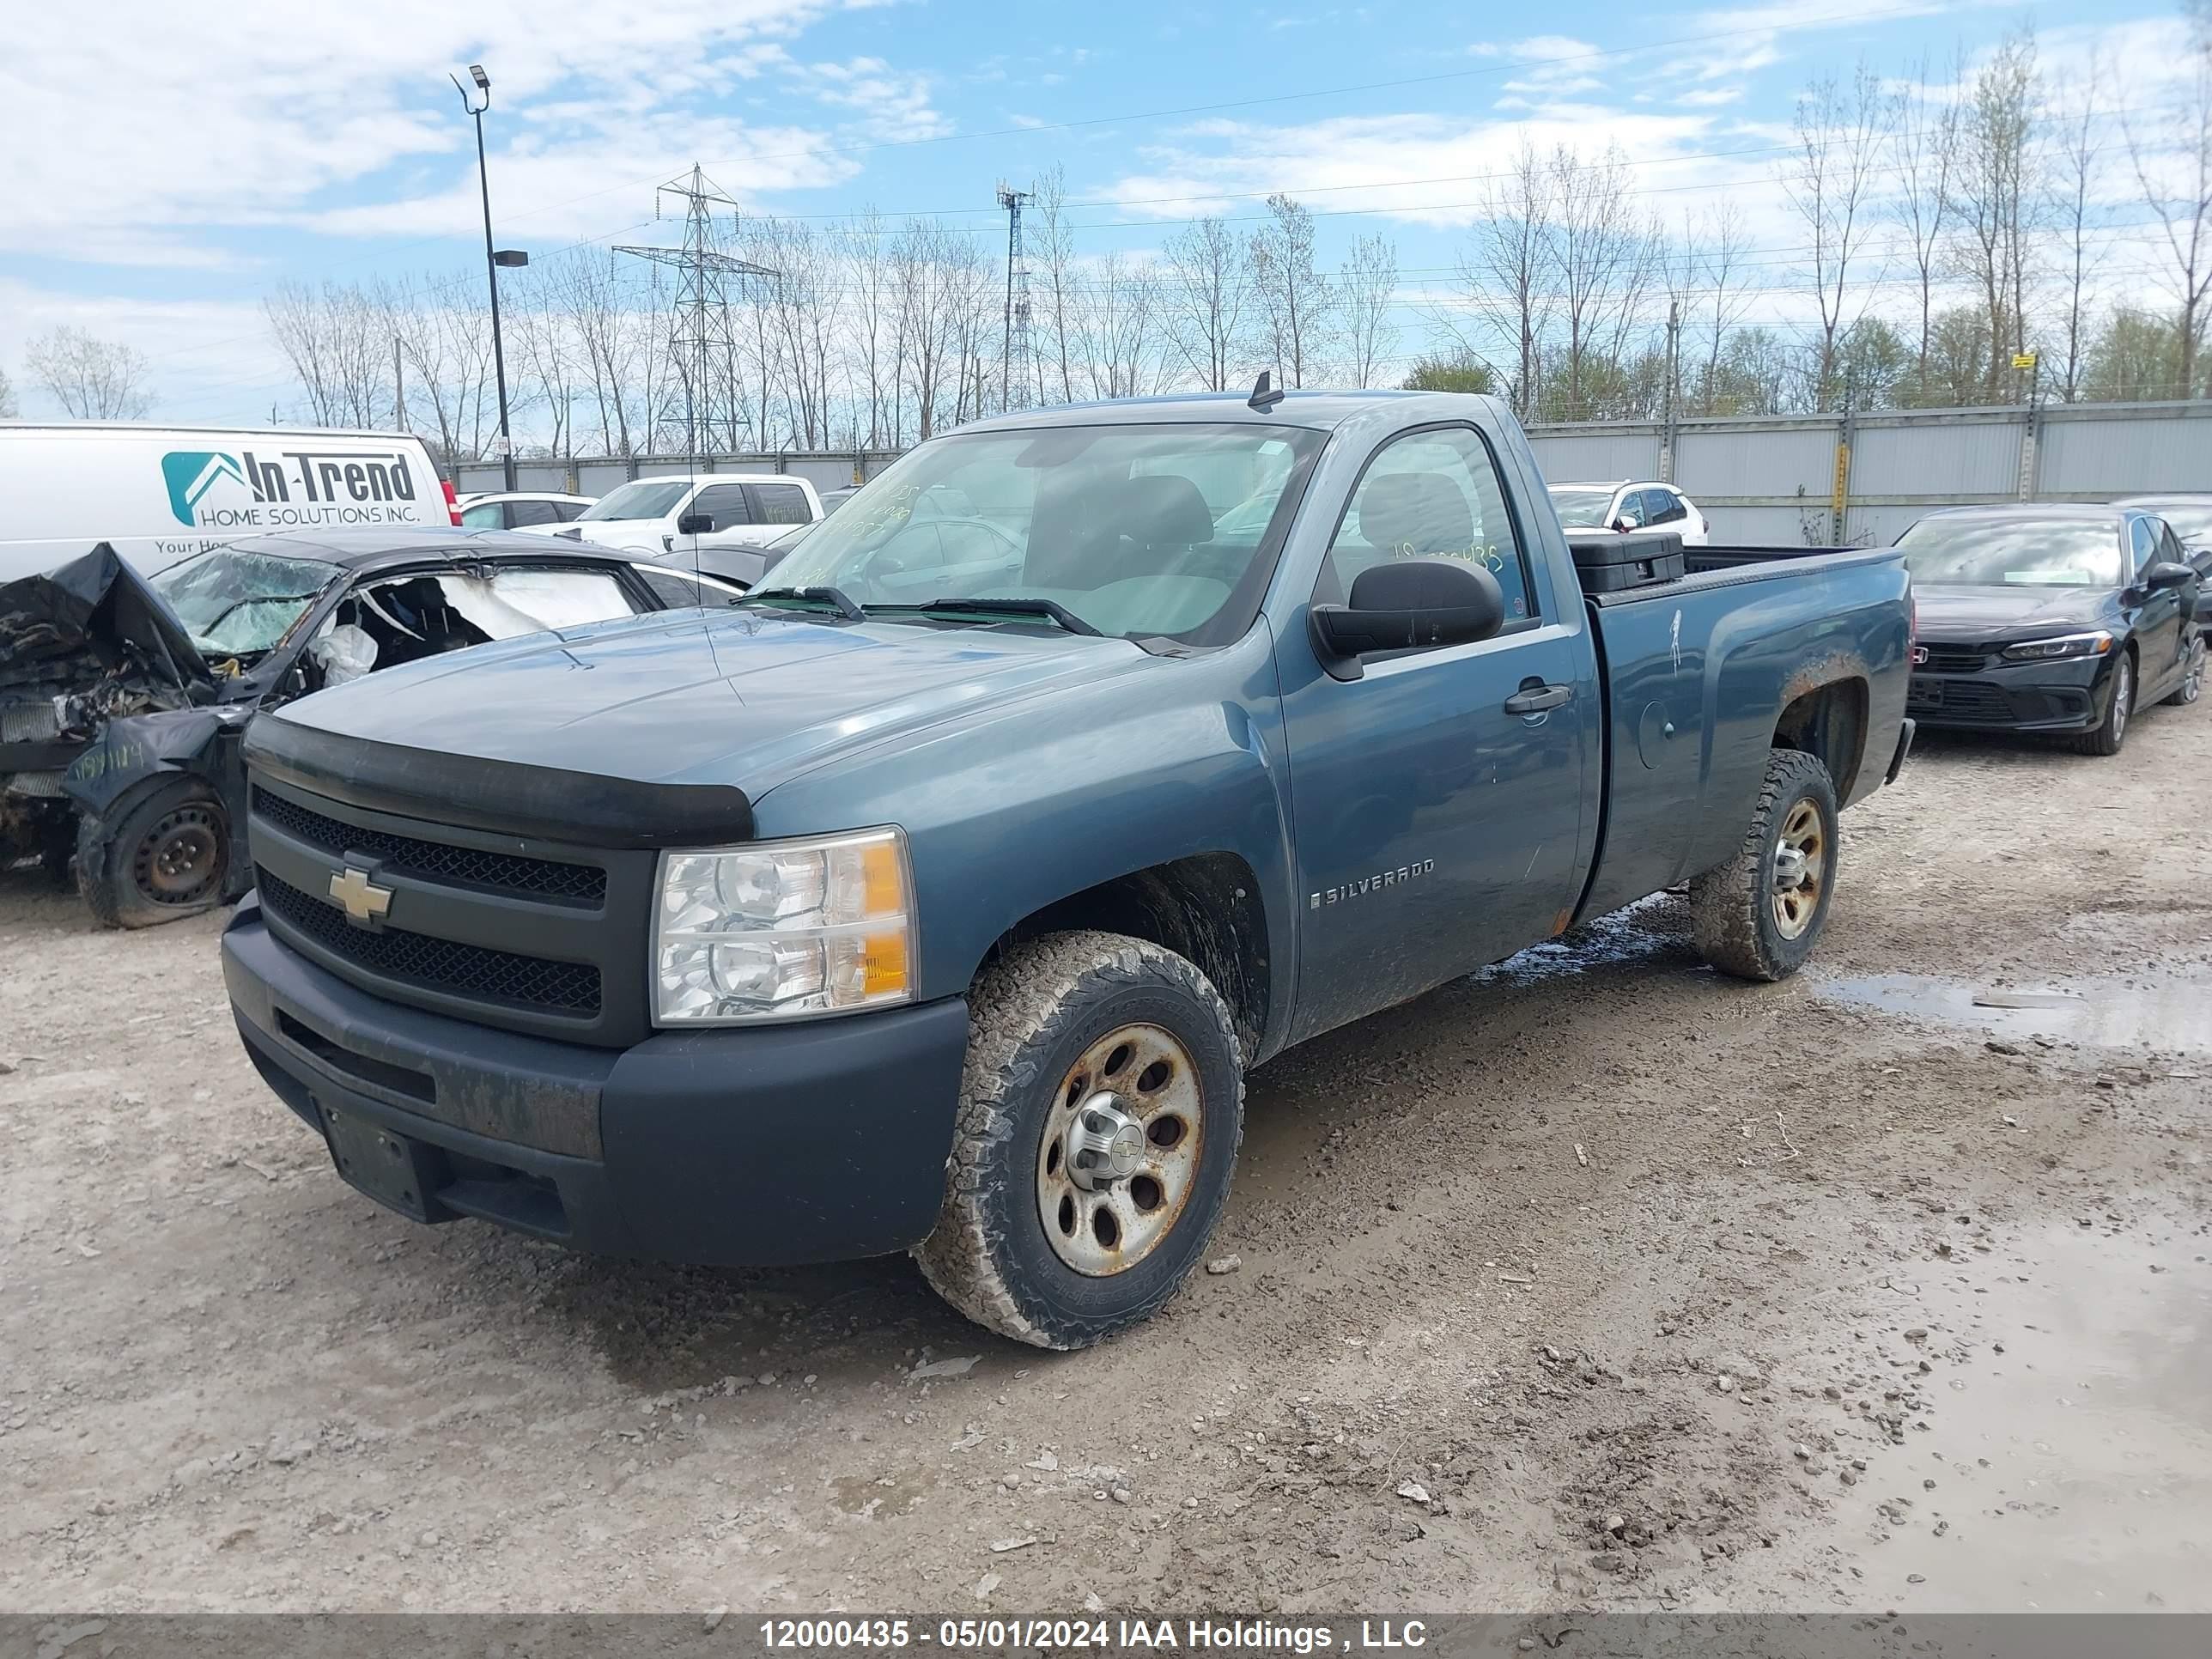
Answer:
(1924, 689)
(398, 1172)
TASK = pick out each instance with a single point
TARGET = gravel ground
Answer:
(1591, 1281)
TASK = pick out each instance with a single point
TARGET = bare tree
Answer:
(1294, 300)
(7, 410)
(545, 362)
(1367, 293)
(1841, 132)
(1505, 286)
(611, 339)
(92, 379)
(2081, 250)
(1721, 298)
(2001, 198)
(338, 340)
(2183, 203)
(1054, 260)
(1602, 263)
(1926, 149)
(1209, 285)
(1119, 303)
(447, 348)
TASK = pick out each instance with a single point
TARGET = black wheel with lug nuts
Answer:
(1759, 916)
(1100, 1110)
(164, 856)
(2109, 733)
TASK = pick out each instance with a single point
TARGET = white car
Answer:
(520, 509)
(1630, 505)
(679, 514)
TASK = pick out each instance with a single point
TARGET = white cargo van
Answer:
(158, 493)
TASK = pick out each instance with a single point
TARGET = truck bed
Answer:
(1695, 670)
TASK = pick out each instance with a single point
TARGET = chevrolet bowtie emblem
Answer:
(364, 900)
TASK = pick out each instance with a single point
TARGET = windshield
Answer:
(2013, 552)
(643, 498)
(235, 604)
(1138, 531)
(1582, 506)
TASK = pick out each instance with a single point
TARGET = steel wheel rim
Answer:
(1801, 868)
(180, 859)
(1145, 1074)
(2193, 681)
(2123, 694)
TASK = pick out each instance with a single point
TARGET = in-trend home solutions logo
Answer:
(211, 490)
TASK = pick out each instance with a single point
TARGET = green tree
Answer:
(2134, 355)
(1460, 373)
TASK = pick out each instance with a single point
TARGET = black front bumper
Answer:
(2065, 696)
(815, 1142)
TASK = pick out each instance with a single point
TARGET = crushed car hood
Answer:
(96, 604)
(80, 646)
(742, 697)
(1980, 616)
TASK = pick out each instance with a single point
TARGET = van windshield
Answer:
(236, 604)
(1167, 531)
(641, 498)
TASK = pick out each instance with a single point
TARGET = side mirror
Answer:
(696, 524)
(2166, 572)
(1404, 605)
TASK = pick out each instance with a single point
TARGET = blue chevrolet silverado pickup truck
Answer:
(938, 897)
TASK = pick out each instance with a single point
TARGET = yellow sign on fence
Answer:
(2023, 359)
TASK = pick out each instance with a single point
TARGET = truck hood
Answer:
(1982, 615)
(744, 697)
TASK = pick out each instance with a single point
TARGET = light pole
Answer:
(510, 258)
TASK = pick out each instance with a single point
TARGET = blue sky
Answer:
(178, 162)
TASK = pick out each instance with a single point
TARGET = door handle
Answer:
(1534, 697)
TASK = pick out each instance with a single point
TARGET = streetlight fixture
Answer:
(476, 105)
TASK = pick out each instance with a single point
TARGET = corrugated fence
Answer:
(1815, 479)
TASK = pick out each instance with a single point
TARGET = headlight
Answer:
(2066, 645)
(783, 929)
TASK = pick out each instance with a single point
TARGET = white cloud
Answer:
(156, 121)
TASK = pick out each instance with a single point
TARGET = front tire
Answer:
(1759, 916)
(1100, 1110)
(164, 857)
(2111, 732)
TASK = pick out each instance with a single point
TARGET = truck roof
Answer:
(1321, 410)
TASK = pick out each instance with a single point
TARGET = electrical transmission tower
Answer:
(1015, 356)
(702, 342)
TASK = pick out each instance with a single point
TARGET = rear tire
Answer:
(1758, 916)
(2192, 680)
(2111, 732)
(164, 856)
(1035, 1240)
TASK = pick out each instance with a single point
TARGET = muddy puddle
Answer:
(2069, 1464)
(2170, 1013)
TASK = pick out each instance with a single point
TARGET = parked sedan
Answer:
(2050, 619)
(1584, 508)
(521, 509)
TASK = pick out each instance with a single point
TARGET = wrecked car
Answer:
(123, 697)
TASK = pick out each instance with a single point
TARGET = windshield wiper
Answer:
(843, 603)
(1053, 610)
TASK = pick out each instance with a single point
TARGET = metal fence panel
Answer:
(1756, 460)
(1597, 456)
(2088, 452)
(1946, 458)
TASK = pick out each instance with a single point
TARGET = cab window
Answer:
(724, 503)
(1430, 494)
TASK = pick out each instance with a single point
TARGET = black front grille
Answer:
(1953, 658)
(436, 860)
(475, 971)
(1966, 700)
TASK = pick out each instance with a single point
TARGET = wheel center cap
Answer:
(1788, 869)
(1104, 1143)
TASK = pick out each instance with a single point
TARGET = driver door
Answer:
(726, 505)
(2159, 641)
(1436, 800)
